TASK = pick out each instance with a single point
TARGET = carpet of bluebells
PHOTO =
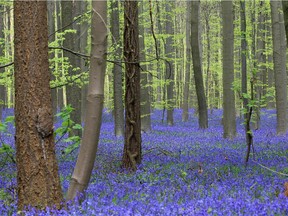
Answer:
(184, 171)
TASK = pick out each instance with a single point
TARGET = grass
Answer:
(184, 171)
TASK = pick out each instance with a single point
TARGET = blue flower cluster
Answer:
(184, 171)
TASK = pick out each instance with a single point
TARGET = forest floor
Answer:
(184, 171)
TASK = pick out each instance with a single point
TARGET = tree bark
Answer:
(132, 147)
(73, 92)
(197, 67)
(229, 113)
(2, 70)
(145, 96)
(185, 113)
(279, 58)
(117, 71)
(95, 98)
(37, 171)
(170, 55)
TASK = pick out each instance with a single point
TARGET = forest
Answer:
(144, 107)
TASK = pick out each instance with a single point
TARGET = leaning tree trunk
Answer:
(132, 148)
(279, 58)
(196, 57)
(38, 183)
(95, 98)
(229, 113)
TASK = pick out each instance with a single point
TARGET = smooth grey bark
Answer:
(2, 87)
(285, 12)
(95, 98)
(229, 112)
(169, 53)
(197, 67)
(261, 68)
(244, 60)
(185, 112)
(279, 58)
(73, 92)
(117, 71)
(144, 93)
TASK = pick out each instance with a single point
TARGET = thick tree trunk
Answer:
(145, 96)
(95, 98)
(196, 57)
(117, 71)
(169, 53)
(229, 113)
(279, 58)
(37, 171)
(132, 147)
(185, 113)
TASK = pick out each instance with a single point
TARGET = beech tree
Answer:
(229, 113)
(38, 183)
(95, 99)
(132, 147)
(196, 57)
(279, 59)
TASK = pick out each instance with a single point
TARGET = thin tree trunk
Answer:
(117, 72)
(95, 98)
(196, 57)
(38, 183)
(73, 92)
(145, 96)
(2, 87)
(229, 113)
(185, 113)
(132, 148)
(279, 58)
(169, 53)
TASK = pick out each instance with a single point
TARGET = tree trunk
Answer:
(73, 92)
(197, 67)
(285, 12)
(185, 113)
(145, 96)
(132, 147)
(95, 98)
(169, 53)
(279, 58)
(229, 113)
(37, 171)
(2, 87)
(117, 71)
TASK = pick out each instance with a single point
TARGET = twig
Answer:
(279, 173)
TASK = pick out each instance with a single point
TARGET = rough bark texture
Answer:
(145, 96)
(51, 30)
(132, 147)
(170, 55)
(37, 171)
(85, 161)
(279, 58)
(185, 113)
(197, 67)
(73, 92)
(229, 113)
(117, 71)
